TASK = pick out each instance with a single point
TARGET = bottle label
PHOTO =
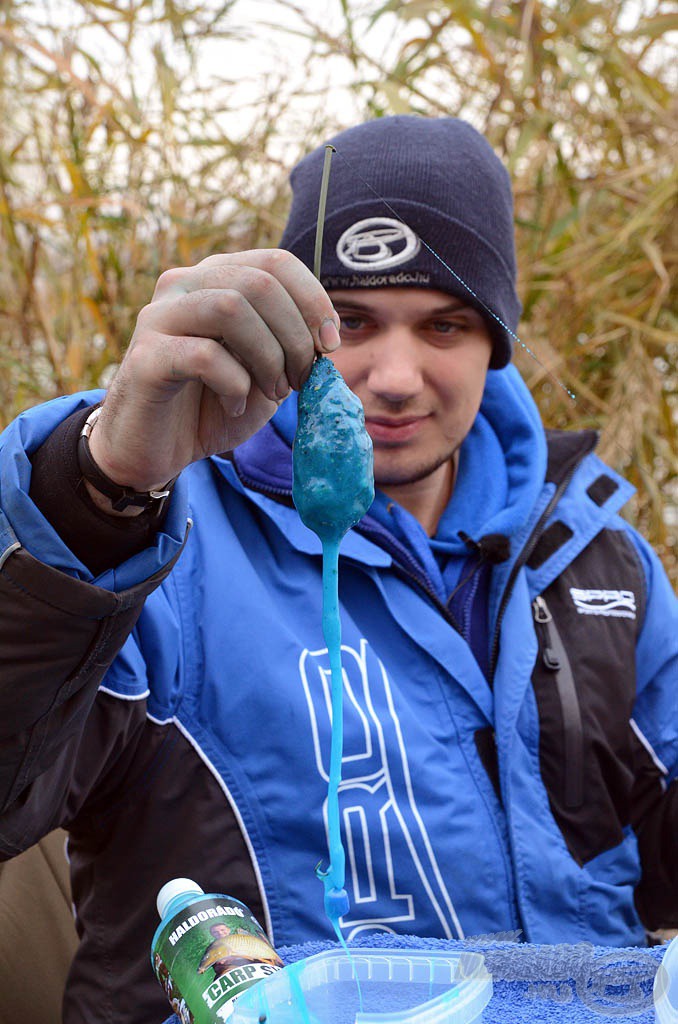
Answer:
(207, 954)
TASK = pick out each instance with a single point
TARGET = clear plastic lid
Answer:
(176, 887)
(666, 987)
(373, 986)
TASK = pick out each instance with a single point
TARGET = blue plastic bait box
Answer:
(371, 986)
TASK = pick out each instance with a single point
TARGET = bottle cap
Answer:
(176, 887)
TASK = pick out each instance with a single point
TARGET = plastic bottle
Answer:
(207, 949)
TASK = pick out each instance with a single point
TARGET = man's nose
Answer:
(396, 374)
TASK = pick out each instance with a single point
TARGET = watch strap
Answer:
(121, 497)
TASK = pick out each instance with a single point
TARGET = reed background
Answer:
(147, 134)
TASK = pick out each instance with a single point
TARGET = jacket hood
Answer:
(502, 465)
(501, 472)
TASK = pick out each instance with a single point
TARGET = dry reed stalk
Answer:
(112, 169)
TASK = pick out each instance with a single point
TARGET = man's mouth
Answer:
(393, 429)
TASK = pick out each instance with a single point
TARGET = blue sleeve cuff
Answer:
(17, 443)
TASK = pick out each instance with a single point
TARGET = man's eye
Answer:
(446, 326)
(352, 323)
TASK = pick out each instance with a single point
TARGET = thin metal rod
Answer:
(324, 184)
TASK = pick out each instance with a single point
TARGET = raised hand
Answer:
(212, 356)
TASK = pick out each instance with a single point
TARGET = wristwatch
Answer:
(121, 497)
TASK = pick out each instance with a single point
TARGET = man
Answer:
(510, 644)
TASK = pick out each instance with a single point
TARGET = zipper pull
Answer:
(543, 616)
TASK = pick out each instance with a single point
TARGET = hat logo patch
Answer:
(377, 243)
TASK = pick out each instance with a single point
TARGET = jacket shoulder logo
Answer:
(377, 243)
(620, 604)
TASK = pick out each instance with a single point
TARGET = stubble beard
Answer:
(399, 477)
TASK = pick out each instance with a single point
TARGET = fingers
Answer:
(284, 295)
(310, 297)
(211, 357)
(166, 362)
(228, 318)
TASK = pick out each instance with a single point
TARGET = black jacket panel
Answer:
(58, 636)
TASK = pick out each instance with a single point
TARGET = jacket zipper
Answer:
(434, 599)
(555, 660)
(520, 561)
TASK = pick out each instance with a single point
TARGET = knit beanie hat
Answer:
(408, 183)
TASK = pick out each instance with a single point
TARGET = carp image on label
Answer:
(207, 954)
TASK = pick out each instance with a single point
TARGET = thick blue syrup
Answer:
(333, 489)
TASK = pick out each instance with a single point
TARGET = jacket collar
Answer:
(262, 469)
(507, 475)
(502, 464)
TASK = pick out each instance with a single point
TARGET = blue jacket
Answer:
(442, 837)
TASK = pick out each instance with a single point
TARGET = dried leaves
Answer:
(121, 155)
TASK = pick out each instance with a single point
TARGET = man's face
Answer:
(417, 359)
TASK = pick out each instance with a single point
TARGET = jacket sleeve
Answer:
(60, 629)
(655, 723)
(58, 637)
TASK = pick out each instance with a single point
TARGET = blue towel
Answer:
(581, 984)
